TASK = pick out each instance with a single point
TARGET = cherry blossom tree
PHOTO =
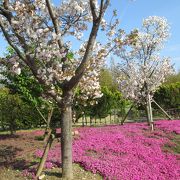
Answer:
(142, 69)
(39, 33)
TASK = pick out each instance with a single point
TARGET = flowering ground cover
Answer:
(17, 157)
(129, 152)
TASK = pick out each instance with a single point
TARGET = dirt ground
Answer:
(17, 154)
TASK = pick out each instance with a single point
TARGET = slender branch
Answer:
(155, 67)
(20, 38)
(9, 16)
(7, 36)
(104, 6)
(54, 21)
(101, 6)
(70, 23)
(110, 50)
(123, 70)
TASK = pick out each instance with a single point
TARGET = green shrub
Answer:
(168, 96)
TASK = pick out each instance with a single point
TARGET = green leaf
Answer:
(70, 55)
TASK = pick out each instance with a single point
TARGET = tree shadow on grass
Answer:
(8, 154)
(8, 136)
(53, 173)
(8, 158)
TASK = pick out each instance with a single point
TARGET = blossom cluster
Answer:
(39, 32)
(89, 85)
(124, 152)
(14, 65)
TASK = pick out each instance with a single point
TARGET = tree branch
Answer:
(80, 70)
(7, 36)
(93, 10)
(69, 24)
(54, 21)
(8, 15)
(6, 3)
(104, 6)
(5, 11)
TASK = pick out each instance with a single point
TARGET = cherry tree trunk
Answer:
(149, 112)
(66, 136)
(151, 116)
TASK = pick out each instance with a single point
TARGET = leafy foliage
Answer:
(168, 96)
(172, 78)
(111, 99)
(15, 113)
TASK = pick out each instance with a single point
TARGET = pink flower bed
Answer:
(129, 152)
(171, 125)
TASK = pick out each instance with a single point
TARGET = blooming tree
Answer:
(142, 69)
(39, 32)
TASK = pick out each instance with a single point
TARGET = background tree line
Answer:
(18, 107)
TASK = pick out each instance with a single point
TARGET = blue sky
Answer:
(131, 14)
